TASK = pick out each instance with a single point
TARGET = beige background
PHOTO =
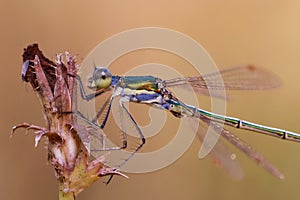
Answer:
(264, 33)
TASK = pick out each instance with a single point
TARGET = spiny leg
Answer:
(101, 111)
(142, 137)
(124, 139)
(94, 123)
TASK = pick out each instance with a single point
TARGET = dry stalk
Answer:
(66, 145)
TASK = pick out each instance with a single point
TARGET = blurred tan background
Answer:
(264, 33)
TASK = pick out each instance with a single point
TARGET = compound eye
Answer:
(101, 79)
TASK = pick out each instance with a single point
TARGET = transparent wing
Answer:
(245, 148)
(237, 78)
(90, 134)
(220, 153)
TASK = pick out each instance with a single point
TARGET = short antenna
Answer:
(94, 64)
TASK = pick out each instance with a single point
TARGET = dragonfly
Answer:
(157, 92)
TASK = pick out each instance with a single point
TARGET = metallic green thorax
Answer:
(149, 83)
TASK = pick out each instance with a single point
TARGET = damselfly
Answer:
(155, 92)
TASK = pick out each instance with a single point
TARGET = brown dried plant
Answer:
(55, 84)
